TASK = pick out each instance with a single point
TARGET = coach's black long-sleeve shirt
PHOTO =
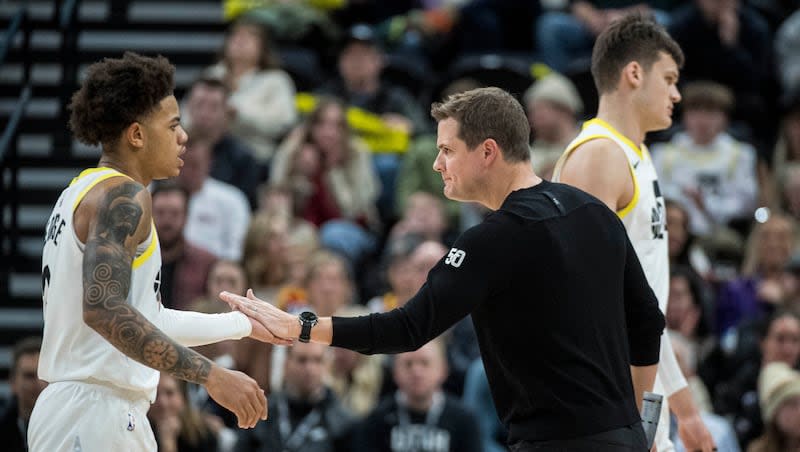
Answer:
(560, 304)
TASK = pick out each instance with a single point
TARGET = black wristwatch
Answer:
(307, 320)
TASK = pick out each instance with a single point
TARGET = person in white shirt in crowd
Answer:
(262, 95)
(714, 172)
(219, 213)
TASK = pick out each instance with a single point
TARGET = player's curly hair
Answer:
(116, 93)
(635, 37)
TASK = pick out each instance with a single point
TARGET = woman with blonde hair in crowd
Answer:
(332, 179)
(178, 426)
(262, 95)
(761, 287)
(265, 256)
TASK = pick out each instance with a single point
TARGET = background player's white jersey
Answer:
(70, 349)
(644, 216)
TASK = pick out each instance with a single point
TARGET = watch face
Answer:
(308, 316)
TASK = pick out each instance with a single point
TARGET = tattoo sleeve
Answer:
(107, 269)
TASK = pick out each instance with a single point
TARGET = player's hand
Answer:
(281, 325)
(694, 434)
(238, 393)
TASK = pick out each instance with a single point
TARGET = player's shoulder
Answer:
(598, 149)
(116, 197)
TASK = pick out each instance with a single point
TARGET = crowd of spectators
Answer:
(321, 196)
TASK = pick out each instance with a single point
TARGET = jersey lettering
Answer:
(54, 228)
(455, 257)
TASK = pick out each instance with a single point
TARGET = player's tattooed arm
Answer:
(107, 268)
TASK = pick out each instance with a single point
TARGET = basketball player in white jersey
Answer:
(635, 65)
(106, 334)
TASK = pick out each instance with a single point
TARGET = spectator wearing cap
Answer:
(361, 62)
(779, 397)
(706, 167)
(553, 106)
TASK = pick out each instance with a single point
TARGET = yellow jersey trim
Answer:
(634, 199)
(79, 198)
(87, 172)
(614, 132)
(137, 262)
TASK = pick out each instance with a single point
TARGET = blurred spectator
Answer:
(332, 180)
(209, 116)
(713, 172)
(683, 250)
(247, 355)
(686, 313)
(262, 95)
(399, 273)
(789, 184)
(564, 38)
(553, 106)
(787, 51)
(302, 238)
(760, 288)
(786, 153)
(496, 25)
(719, 427)
(305, 415)
(329, 285)
(25, 389)
(778, 341)
(361, 62)
(478, 398)
(218, 212)
(184, 267)
(355, 378)
(178, 426)
(265, 254)
(736, 52)
(419, 417)
(779, 396)
(416, 175)
(424, 215)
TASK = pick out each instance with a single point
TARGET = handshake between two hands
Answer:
(270, 324)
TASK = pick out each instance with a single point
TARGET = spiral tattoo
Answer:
(107, 270)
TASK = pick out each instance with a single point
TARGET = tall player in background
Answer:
(635, 66)
(106, 335)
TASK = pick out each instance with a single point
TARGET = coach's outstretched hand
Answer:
(238, 393)
(270, 324)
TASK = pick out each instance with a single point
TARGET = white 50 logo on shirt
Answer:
(455, 257)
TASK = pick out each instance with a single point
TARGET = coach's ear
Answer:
(134, 135)
(490, 150)
(633, 74)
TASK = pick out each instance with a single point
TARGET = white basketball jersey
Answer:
(644, 216)
(70, 349)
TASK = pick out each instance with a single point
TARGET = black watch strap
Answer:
(305, 331)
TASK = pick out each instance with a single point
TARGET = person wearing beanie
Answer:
(779, 397)
(553, 106)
